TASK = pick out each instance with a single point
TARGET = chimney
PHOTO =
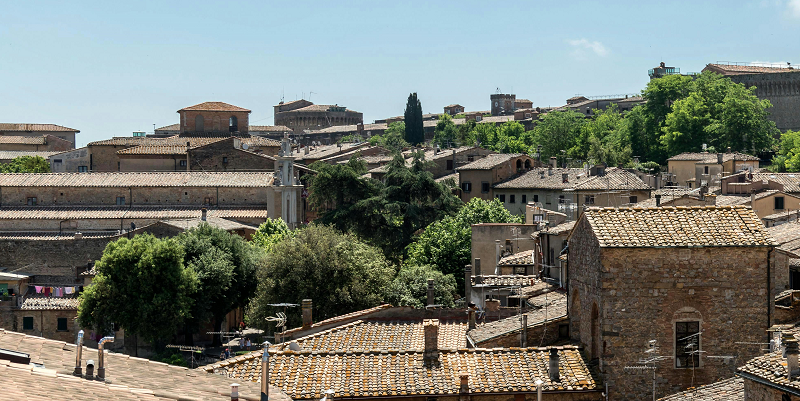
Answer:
(471, 316)
(464, 388)
(431, 329)
(78, 353)
(477, 266)
(467, 282)
(729, 149)
(265, 373)
(792, 351)
(306, 306)
(553, 162)
(89, 369)
(78, 235)
(523, 333)
(496, 256)
(204, 214)
(564, 177)
(235, 392)
(187, 155)
(553, 368)
(306, 150)
(430, 292)
(658, 200)
(101, 370)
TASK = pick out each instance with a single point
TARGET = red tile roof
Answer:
(213, 106)
(726, 69)
(149, 179)
(35, 127)
(118, 212)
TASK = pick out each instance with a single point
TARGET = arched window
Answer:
(527, 164)
(519, 164)
(233, 124)
(199, 123)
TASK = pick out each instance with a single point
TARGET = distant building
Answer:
(38, 130)
(694, 169)
(502, 103)
(214, 117)
(300, 115)
(453, 109)
(662, 70)
(38, 143)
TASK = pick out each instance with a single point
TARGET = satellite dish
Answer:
(245, 146)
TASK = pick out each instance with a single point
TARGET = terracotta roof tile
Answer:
(35, 127)
(24, 140)
(150, 179)
(213, 106)
(269, 128)
(725, 390)
(171, 127)
(790, 181)
(490, 161)
(727, 69)
(712, 157)
(542, 177)
(549, 306)
(50, 303)
(614, 178)
(787, 236)
(770, 368)
(519, 258)
(118, 212)
(505, 280)
(677, 227)
(393, 373)
(10, 154)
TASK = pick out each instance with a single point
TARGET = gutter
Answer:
(768, 383)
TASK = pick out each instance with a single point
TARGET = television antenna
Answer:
(280, 317)
(187, 348)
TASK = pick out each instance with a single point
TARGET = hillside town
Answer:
(179, 220)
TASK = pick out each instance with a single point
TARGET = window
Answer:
(779, 203)
(449, 164)
(547, 199)
(57, 160)
(502, 198)
(687, 344)
(183, 163)
(705, 170)
(32, 201)
(120, 200)
(83, 169)
(224, 159)
(512, 199)
(588, 199)
(536, 198)
(27, 323)
(470, 158)
(62, 324)
(485, 187)
(633, 199)
(466, 186)
(524, 199)
(233, 125)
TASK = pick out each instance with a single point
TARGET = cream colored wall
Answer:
(683, 170)
(766, 206)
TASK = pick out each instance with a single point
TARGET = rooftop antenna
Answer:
(187, 348)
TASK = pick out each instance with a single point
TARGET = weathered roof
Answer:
(519, 258)
(176, 144)
(34, 127)
(707, 157)
(24, 140)
(149, 179)
(727, 69)
(510, 280)
(336, 320)
(10, 154)
(124, 374)
(790, 181)
(490, 161)
(544, 178)
(350, 128)
(50, 303)
(225, 224)
(551, 306)
(154, 150)
(614, 178)
(385, 374)
(269, 128)
(769, 368)
(787, 236)
(696, 226)
(316, 108)
(724, 390)
(127, 212)
(453, 176)
(563, 228)
(213, 106)
(171, 127)
(381, 335)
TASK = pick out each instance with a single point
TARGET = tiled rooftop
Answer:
(213, 106)
(123, 374)
(787, 236)
(711, 157)
(50, 303)
(150, 179)
(341, 318)
(790, 181)
(172, 127)
(614, 178)
(770, 368)
(680, 226)
(563, 228)
(519, 258)
(490, 161)
(382, 374)
(397, 335)
(128, 212)
(225, 224)
(269, 128)
(726, 69)
(724, 390)
(577, 178)
(34, 127)
(10, 154)
(316, 108)
(23, 140)
(180, 141)
(550, 306)
(514, 280)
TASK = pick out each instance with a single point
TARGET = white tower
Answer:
(287, 187)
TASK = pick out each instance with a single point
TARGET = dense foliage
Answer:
(338, 271)
(26, 164)
(270, 233)
(410, 287)
(393, 138)
(788, 156)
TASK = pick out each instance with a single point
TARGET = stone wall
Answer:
(782, 90)
(137, 196)
(540, 335)
(483, 242)
(754, 391)
(45, 323)
(638, 294)
(222, 156)
(213, 121)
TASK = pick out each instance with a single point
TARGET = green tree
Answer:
(142, 285)
(445, 135)
(557, 131)
(338, 271)
(409, 200)
(225, 266)
(788, 157)
(603, 139)
(26, 164)
(446, 243)
(270, 233)
(410, 287)
(415, 133)
(393, 138)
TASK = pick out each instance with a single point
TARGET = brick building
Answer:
(453, 109)
(692, 169)
(39, 143)
(300, 115)
(680, 279)
(215, 117)
(38, 130)
(477, 179)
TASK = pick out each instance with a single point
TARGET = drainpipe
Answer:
(769, 291)
(78, 353)
(265, 373)
(101, 370)
(539, 390)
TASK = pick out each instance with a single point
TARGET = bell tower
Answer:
(285, 186)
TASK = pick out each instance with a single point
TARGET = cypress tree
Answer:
(415, 133)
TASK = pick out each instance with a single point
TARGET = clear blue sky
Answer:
(109, 68)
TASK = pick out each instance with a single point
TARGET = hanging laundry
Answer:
(38, 289)
(69, 290)
(48, 291)
(59, 291)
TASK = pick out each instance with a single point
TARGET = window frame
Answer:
(182, 163)
(449, 164)
(485, 187)
(512, 198)
(633, 199)
(122, 199)
(501, 197)
(680, 353)
(58, 324)
(32, 201)
(588, 199)
(524, 199)
(466, 187)
(26, 319)
(782, 202)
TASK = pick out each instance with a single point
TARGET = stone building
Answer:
(300, 115)
(214, 117)
(587, 106)
(443, 162)
(477, 179)
(453, 109)
(781, 86)
(39, 143)
(38, 130)
(502, 103)
(692, 285)
(693, 169)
